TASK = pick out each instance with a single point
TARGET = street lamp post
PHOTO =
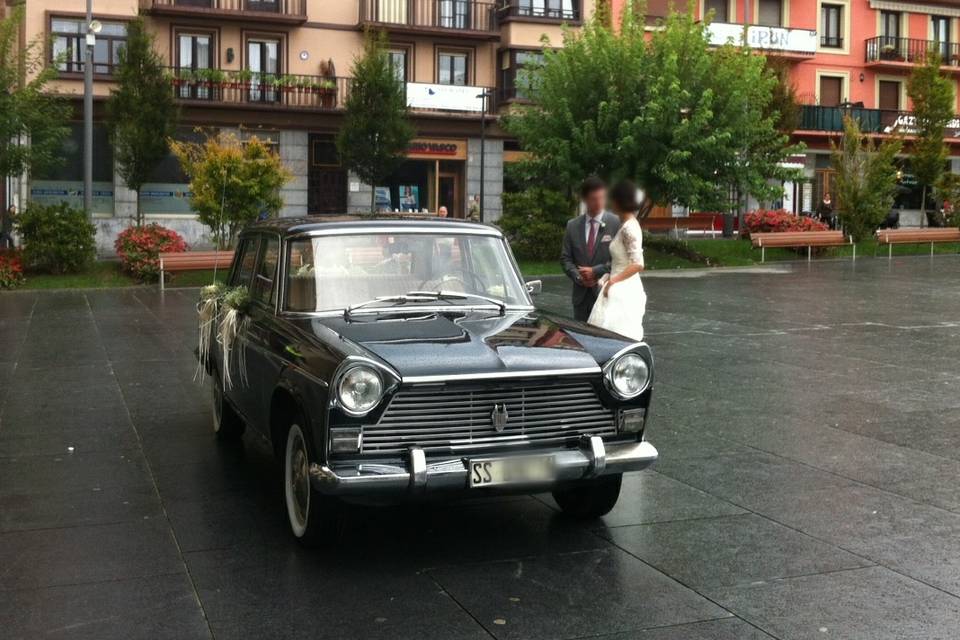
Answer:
(483, 145)
(88, 112)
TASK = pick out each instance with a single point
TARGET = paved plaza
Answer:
(808, 486)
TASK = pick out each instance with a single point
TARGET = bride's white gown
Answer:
(622, 310)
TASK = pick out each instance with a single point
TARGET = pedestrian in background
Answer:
(7, 218)
(825, 211)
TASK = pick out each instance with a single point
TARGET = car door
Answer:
(238, 392)
(263, 361)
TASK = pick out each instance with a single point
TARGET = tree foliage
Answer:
(866, 179)
(232, 182)
(33, 123)
(141, 112)
(376, 131)
(933, 100)
(685, 120)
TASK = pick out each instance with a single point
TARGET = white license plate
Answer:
(504, 471)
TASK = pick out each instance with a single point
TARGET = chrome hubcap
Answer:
(297, 476)
(301, 486)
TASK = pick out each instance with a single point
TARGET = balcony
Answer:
(773, 41)
(462, 18)
(244, 89)
(904, 53)
(872, 121)
(541, 11)
(263, 11)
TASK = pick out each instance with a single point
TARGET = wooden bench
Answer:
(690, 223)
(793, 239)
(193, 261)
(934, 236)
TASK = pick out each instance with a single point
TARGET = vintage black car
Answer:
(394, 358)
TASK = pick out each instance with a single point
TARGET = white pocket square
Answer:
(606, 238)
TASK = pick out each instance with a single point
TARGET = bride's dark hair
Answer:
(623, 195)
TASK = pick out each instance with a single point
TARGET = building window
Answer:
(264, 62)
(940, 29)
(194, 54)
(720, 9)
(890, 26)
(831, 91)
(831, 26)
(454, 14)
(556, 9)
(399, 62)
(452, 67)
(515, 73)
(68, 36)
(770, 13)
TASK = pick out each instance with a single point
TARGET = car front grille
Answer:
(458, 418)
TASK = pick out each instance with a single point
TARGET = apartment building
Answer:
(279, 69)
(845, 57)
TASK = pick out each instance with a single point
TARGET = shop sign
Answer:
(766, 38)
(165, 198)
(906, 123)
(444, 97)
(437, 149)
(50, 192)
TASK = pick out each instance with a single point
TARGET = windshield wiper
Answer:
(421, 296)
(460, 295)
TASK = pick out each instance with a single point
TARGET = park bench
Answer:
(934, 236)
(794, 239)
(690, 223)
(193, 261)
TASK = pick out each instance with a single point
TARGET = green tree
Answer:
(684, 119)
(33, 123)
(376, 131)
(232, 182)
(932, 96)
(866, 179)
(141, 112)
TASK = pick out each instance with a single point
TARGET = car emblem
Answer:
(499, 417)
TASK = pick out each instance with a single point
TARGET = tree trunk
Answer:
(923, 206)
(373, 199)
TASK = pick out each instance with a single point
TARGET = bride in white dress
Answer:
(623, 302)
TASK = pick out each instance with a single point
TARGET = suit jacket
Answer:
(575, 254)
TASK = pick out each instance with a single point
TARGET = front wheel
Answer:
(314, 518)
(227, 424)
(590, 498)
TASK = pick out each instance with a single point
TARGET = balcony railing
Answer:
(464, 16)
(820, 118)
(269, 90)
(275, 10)
(553, 10)
(289, 91)
(910, 50)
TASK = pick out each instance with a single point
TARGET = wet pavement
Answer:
(808, 486)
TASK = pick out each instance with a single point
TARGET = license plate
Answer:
(505, 471)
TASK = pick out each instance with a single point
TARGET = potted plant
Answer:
(888, 52)
(327, 90)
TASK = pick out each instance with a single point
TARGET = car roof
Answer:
(341, 223)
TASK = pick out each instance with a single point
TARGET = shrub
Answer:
(56, 238)
(534, 221)
(11, 269)
(767, 221)
(139, 249)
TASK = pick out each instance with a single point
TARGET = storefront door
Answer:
(326, 179)
(449, 194)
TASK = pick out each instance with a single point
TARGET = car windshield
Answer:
(328, 273)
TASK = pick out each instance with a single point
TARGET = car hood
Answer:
(441, 345)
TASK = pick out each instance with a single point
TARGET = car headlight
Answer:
(360, 389)
(628, 375)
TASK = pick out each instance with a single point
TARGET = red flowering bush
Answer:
(139, 249)
(11, 269)
(767, 221)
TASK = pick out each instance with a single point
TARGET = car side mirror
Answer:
(535, 287)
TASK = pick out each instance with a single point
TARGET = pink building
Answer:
(846, 56)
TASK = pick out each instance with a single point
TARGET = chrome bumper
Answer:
(593, 458)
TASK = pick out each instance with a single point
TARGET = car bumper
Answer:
(592, 458)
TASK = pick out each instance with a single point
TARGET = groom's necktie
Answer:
(592, 238)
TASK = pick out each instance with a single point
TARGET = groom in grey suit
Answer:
(586, 246)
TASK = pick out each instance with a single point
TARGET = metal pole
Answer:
(88, 115)
(483, 148)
